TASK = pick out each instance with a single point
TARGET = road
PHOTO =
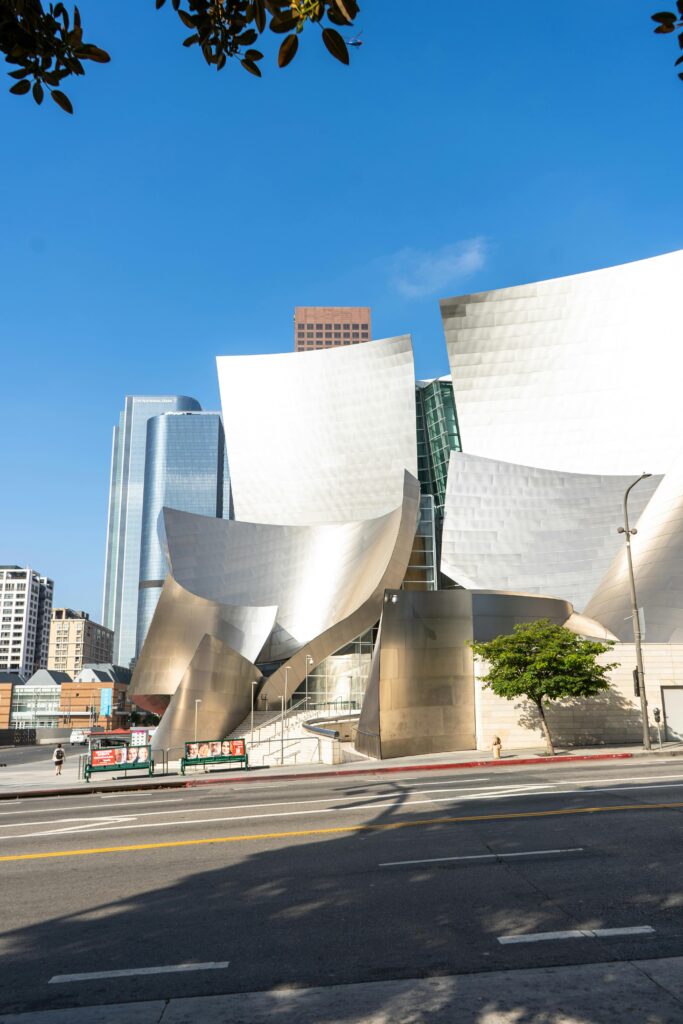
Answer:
(334, 881)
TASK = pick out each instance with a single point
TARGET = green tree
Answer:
(544, 662)
(669, 21)
(45, 41)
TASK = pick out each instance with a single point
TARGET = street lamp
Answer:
(309, 662)
(288, 668)
(635, 616)
(198, 701)
(282, 729)
(253, 692)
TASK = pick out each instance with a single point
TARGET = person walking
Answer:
(59, 756)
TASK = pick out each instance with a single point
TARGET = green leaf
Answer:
(160, 4)
(22, 73)
(664, 29)
(336, 45)
(186, 19)
(62, 101)
(287, 50)
(252, 68)
(38, 92)
(347, 8)
(665, 17)
(21, 88)
(191, 40)
(260, 14)
(283, 23)
(253, 55)
(90, 52)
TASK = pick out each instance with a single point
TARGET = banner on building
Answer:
(106, 701)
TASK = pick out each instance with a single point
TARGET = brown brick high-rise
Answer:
(329, 326)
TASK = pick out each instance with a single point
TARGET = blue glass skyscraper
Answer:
(124, 527)
(185, 468)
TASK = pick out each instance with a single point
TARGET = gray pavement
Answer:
(359, 886)
(25, 769)
(645, 990)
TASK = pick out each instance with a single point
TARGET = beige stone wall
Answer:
(611, 718)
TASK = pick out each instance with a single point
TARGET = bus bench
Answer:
(121, 766)
(239, 760)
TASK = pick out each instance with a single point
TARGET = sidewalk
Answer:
(38, 778)
(611, 993)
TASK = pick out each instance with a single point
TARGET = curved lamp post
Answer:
(635, 616)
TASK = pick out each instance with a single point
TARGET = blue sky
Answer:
(182, 214)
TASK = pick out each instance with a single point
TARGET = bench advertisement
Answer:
(123, 757)
(210, 750)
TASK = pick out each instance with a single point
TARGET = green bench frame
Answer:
(91, 769)
(242, 759)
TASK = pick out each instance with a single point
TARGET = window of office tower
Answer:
(330, 326)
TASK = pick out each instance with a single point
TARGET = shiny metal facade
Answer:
(319, 437)
(421, 696)
(522, 529)
(327, 505)
(657, 551)
(577, 374)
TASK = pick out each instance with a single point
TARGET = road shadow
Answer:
(333, 907)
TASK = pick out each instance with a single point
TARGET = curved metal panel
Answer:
(322, 436)
(342, 630)
(180, 622)
(657, 551)
(536, 531)
(579, 374)
(317, 576)
(220, 678)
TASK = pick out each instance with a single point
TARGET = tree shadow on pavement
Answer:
(332, 904)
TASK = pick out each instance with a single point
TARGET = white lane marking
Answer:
(86, 807)
(369, 802)
(397, 804)
(60, 979)
(587, 933)
(461, 795)
(479, 856)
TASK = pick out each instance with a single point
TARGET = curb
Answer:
(194, 783)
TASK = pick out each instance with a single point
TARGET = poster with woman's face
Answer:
(204, 749)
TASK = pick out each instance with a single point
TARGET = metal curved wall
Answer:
(579, 374)
(657, 551)
(316, 576)
(322, 436)
(518, 528)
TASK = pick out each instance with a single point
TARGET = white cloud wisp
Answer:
(419, 272)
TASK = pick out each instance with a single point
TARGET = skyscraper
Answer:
(124, 527)
(186, 468)
(330, 326)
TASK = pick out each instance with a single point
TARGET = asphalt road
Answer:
(329, 881)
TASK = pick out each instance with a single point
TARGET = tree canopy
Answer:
(669, 21)
(46, 43)
(544, 662)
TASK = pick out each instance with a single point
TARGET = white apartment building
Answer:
(25, 612)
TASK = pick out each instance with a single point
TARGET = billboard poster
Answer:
(203, 750)
(105, 701)
(124, 757)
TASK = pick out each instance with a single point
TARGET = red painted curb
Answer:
(193, 783)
